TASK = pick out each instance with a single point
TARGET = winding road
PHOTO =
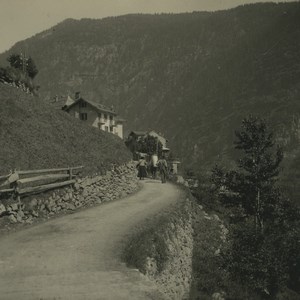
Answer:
(77, 256)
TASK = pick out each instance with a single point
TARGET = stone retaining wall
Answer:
(175, 279)
(88, 191)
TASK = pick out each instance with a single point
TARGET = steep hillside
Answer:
(191, 76)
(34, 135)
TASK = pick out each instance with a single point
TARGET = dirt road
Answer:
(76, 256)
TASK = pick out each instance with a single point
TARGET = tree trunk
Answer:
(258, 220)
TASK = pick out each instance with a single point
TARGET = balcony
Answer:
(102, 121)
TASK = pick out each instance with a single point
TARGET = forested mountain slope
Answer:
(191, 76)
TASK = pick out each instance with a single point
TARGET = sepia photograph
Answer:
(149, 150)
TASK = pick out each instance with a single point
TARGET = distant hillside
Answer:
(34, 135)
(191, 76)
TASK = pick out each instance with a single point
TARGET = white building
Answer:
(95, 114)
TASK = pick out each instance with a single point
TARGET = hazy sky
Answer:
(20, 19)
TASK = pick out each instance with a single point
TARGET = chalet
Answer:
(162, 139)
(135, 136)
(95, 114)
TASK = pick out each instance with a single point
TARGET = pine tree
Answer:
(31, 68)
(263, 252)
(252, 186)
(27, 65)
(259, 166)
(16, 61)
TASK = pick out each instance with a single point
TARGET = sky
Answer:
(21, 19)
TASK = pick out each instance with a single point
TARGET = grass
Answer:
(35, 135)
(148, 242)
(150, 238)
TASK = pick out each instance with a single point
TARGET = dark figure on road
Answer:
(163, 169)
(142, 170)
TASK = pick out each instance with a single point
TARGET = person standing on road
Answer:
(154, 160)
(142, 168)
(163, 169)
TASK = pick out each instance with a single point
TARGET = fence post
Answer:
(14, 185)
(70, 172)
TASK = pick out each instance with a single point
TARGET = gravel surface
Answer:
(77, 256)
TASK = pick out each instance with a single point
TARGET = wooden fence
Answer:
(23, 183)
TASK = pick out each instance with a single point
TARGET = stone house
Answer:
(95, 114)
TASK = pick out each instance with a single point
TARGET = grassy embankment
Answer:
(35, 135)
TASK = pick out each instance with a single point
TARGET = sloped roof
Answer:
(158, 135)
(69, 101)
(99, 107)
(138, 133)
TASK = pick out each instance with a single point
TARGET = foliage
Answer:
(252, 186)
(150, 145)
(21, 72)
(151, 239)
(31, 68)
(16, 61)
(264, 235)
(27, 65)
(149, 242)
(208, 275)
(264, 262)
(147, 144)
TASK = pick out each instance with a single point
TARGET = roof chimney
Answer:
(77, 95)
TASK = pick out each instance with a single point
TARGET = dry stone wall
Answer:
(178, 234)
(89, 191)
(175, 279)
(169, 261)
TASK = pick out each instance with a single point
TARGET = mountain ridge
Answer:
(193, 76)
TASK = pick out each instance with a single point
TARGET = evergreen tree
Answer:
(150, 145)
(27, 65)
(252, 187)
(31, 68)
(16, 61)
(263, 252)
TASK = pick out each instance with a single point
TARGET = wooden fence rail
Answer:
(13, 183)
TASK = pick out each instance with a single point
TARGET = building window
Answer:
(105, 116)
(111, 128)
(82, 104)
(106, 128)
(83, 116)
(111, 118)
